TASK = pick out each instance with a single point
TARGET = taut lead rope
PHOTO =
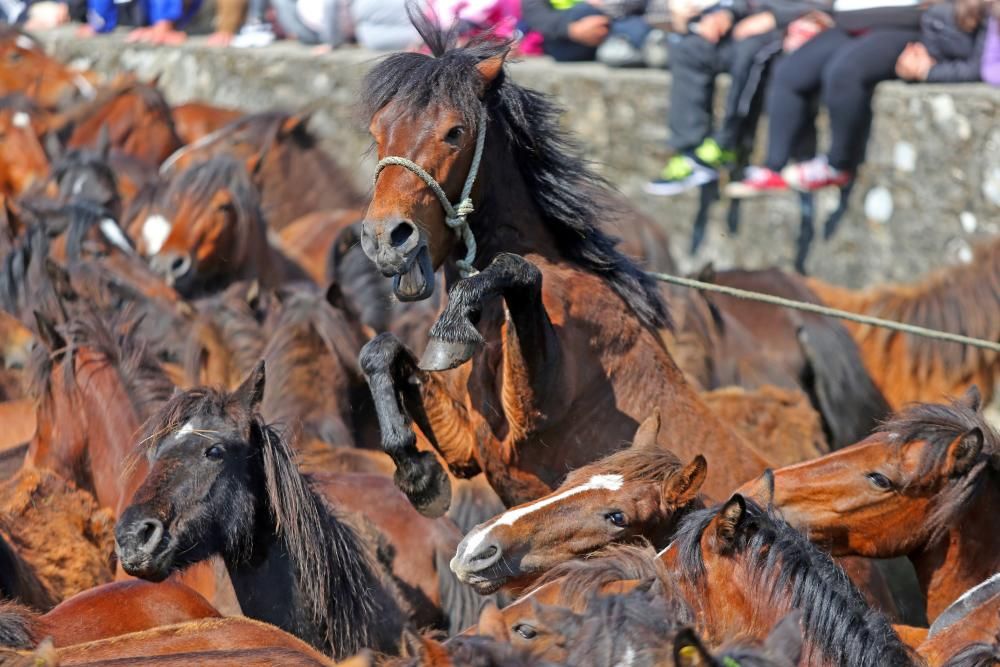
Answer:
(455, 216)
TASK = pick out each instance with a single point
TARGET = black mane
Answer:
(570, 197)
(349, 599)
(836, 619)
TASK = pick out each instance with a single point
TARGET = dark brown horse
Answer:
(963, 299)
(206, 230)
(103, 611)
(921, 487)
(556, 324)
(286, 163)
(639, 492)
(222, 482)
(742, 568)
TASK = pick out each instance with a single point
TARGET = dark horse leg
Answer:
(393, 378)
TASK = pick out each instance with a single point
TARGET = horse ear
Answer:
(491, 622)
(48, 334)
(963, 452)
(784, 643)
(490, 68)
(295, 123)
(972, 399)
(689, 651)
(730, 521)
(648, 432)
(250, 393)
(683, 487)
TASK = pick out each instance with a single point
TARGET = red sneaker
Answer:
(756, 181)
(814, 174)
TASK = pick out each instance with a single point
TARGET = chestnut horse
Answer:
(222, 482)
(22, 159)
(194, 120)
(294, 174)
(557, 324)
(28, 69)
(921, 487)
(967, 633)
(742, 568)
(229, 642)
(638, 492)
(206, 230)
(104, 611)
(963, 299)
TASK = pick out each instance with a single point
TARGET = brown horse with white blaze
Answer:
(557, 323)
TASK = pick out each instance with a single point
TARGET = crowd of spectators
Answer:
(785, 58)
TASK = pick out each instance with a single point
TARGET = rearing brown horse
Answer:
(560, 328)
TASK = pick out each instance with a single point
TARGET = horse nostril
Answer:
(486, 554)
(180, 265)
(149, 534)
(401, 233)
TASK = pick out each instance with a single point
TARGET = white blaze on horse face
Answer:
(114, 234)
(628, 658)
(21, 119)
(155, 231)
(25, 42)
(184, 430)
(595, 483)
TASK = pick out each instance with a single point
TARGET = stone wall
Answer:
(931, 186)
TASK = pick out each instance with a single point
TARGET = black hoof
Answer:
(426, 484)
(442, 355)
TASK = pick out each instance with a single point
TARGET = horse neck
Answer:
(270, 588)
(112, 427)
(968, 554)
(506, 217)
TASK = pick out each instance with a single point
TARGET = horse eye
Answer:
(879, 481)
(525, 630)
(14, 56)
(616, 518)
(214, 453)
(454, 134)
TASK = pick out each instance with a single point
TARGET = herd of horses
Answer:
(253, 415)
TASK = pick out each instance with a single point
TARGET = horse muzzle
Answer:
(399, 250)
(144, 546)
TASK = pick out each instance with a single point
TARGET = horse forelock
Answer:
(633, 464)
(785, 568)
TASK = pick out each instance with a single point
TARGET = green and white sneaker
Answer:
(685, 172)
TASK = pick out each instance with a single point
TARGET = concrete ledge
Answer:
(931, 185)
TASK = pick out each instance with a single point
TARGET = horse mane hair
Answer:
(938, 425)
(644, 625)
(19, 102)
(240, 325)
(584, 578)
(339, 576)
(835, 617)
(979, 654)
(965, 604)
(570, 197)
(18, 625)
(634, 464)
(962, 299)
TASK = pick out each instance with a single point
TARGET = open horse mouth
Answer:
(417, 282)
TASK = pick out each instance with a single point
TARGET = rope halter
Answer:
(455, 215)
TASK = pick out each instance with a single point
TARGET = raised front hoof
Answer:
(426, 484)
(442, 355)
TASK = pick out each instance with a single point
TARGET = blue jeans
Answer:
(632, 28)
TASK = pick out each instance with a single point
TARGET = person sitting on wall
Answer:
(156, 21)
(612, 32)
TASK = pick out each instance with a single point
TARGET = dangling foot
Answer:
(815, 174)
(756, 181)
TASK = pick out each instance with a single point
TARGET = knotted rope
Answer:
(455, 216)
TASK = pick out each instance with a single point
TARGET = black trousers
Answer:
(694, 64)
(841, 71)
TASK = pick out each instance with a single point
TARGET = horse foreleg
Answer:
(398, 389)
(532, 381)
